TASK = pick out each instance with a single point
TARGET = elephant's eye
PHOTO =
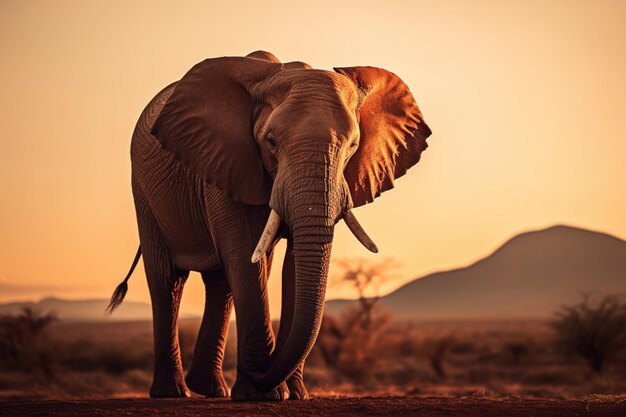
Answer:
(271, 141)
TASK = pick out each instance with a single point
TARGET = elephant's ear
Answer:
(393, 133)
(207, 125)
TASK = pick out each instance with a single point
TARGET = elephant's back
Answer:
(147, 155)
(173, 193)
(154, 107)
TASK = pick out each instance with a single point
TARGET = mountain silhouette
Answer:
(81, 310)
(530, 276)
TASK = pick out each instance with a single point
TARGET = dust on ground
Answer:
(366, 406)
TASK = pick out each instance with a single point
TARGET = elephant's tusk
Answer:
(266, 237)
(358, 232)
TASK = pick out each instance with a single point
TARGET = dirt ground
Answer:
(482, 369)
(368, 406)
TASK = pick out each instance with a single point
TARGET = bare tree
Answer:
(345, 343)
(366, 278)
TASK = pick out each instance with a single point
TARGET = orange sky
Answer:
(526, 100)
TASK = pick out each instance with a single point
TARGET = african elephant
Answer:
(238, 153)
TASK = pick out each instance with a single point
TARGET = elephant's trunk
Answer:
(312, 258)
(314, 205)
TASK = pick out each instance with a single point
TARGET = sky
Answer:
(526, 102)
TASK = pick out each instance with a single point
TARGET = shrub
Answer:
(22, 339)
(437, 355)
(595, 331)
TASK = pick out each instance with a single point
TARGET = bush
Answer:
(22, 340)
(437, 353)
(595, 331)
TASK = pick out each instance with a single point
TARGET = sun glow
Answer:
(525, 101)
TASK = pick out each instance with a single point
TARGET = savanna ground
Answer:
(399, 368)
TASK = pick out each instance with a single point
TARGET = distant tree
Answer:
(345, 343)
(366, 278)
(21, 339)
(595, 331)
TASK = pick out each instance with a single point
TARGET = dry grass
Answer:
(491, 359)
(484, 358)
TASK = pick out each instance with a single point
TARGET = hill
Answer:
(81, 310)
(529, 276)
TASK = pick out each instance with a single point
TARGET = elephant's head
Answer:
(310, 143)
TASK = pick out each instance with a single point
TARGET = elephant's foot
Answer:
(169, 387)
(244, 391)
(210, 385)
(297, 390)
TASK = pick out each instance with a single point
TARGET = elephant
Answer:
(236, 155)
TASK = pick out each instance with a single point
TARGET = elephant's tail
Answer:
(120, 291)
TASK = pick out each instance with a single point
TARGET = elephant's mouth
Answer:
(273, 223)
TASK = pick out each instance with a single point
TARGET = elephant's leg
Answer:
(166, 283)
(297, 390)
(168, 380)
(236, 229)
(255, 338)
(205, 374)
